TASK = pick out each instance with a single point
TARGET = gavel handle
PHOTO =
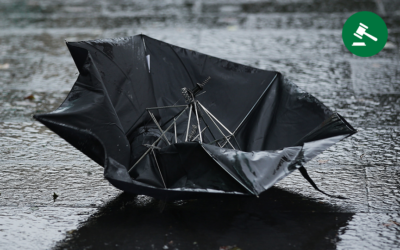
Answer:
(370, 36)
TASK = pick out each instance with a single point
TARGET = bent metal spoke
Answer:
(237, 143)
(159, 170)
(204, 121)
(209, 113)
(148, 145)
(223, 145)
(255, 104)
(198, 134)
(225, 141)
(190, 97)
(198, 122)
(159, 138)
(176, 137)
(188, 124)
(226, 138)
(167, 107)
(158, 126)
(212, 134)
(218, 140)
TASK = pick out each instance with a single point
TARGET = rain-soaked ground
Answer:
(52, 196)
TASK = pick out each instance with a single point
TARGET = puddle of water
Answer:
(271, 220)
(38, 227)
(21, 105)
(371, 231)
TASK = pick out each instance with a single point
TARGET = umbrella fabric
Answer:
(274, 126)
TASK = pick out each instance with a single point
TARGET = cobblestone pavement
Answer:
(300, 38)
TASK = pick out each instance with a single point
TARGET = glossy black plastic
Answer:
(278, 127)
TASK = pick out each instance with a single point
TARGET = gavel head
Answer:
(361, 29)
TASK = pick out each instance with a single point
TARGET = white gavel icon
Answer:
(361, 31)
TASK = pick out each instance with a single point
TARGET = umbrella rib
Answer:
(198, 122)
(152, 108)
(255, 104)
(237, 143)
(158, 126)
(159, 170)
(177, 106)
(212, 134)
(130, 129)
(123, 72)
(223, 145)
(252, 192)
(176, 136)
(204, 121)
(216, 126)
(188, 124)
(219, 139)
(158, 139)
(180, 60)
(198, 134)
(231, 144)
(166, 107)
(208, 112)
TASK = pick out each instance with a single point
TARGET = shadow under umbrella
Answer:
(277, 220)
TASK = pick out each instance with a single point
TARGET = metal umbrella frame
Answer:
(194, 106)
(247, 131)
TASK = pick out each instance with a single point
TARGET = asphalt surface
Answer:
(53, 196)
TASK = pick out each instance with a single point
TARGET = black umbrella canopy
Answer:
(174, 123)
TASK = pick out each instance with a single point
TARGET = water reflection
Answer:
(276, 220)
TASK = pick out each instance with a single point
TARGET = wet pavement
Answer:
(53, 196)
